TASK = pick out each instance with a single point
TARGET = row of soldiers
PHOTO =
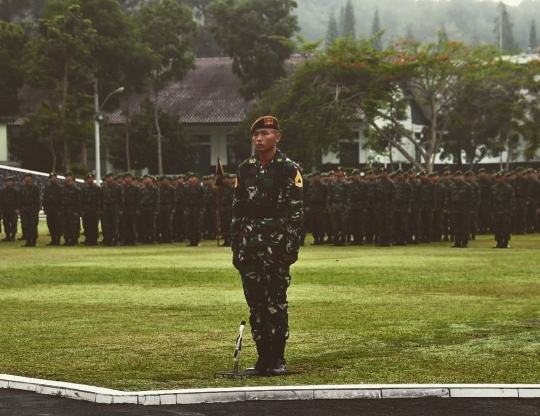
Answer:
(148, 209)
(419, 207)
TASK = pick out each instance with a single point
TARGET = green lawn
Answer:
(163, 317)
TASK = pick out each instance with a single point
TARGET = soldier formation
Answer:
(420, 207)
(399, 208)
(147, 210)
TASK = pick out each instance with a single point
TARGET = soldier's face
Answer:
(316, 178)
(69, 180)
(482, 175)
(339, 174)
(9, 184)
(193, 180)
(501, 179)
(127, 180)
(53, 180)
(147, 181)
(90, 181)
(459, 178)
(109, 180)
(265, 140)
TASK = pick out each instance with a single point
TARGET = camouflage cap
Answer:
(68, 174)
(147, 176)
(519, 169)
(53, 175)
(128, 175)
(266, 122)
(8, 178)
(398, 172)
(89, 176)
(411, 170)
(109, 175)
(458, 173)
(193, 175)
(315, 173)
(500, 173)
(469, 173)
(28, 175)
(355, 172)
(339, 168)
(369, 171)
(482, 170)
(382, 169)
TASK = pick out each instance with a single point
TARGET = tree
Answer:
(533, 38)
(332, 32)
(167, 29)
(375, 31)
(59, 57)
(504, 30)
(256, 35)
(13, 40)
(349, 21)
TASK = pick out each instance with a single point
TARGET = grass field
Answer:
(163, 317)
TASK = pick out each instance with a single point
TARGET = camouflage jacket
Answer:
(90, 198)
(417, 188)
(132, 197)
(167, 195)
(485, 190)
(502, 199)
(226, 197)
(149, 198)
(404, 197)
(52, 197)
(267, 204)
(318, 194)
(358, 195)
(533, 191)
(520, 188)
(460, 197)
(440, 195)
(9, 199)
(428, 196)
(180, 195)
(111, 195)
(384, 193)
(210, 195)
(30, 198)
(194, 197)
(71, 198)
(339, 193)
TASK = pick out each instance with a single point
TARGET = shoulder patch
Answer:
(252, 160)
(299, 181)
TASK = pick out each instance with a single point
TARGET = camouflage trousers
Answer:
(265, 281)
(70, 224)
(338, 214)
(461, 225)
(193, 217)
(29, 224)
(501, 225)
(109, 223)
(10, 218)
(54, 222)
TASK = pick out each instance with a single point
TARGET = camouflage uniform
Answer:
(166, 207)
(338, 203)
(414, 223)
(30, 204)
(71, 208)
(9, 204)
(132, 197)
(193, 212)
(427, 206)
(210, 213)
(111, 205)
(318, 194)
(358, 206)
(438, 211)
(533, 199)
(402, 207)
(484, 208)
(384, 193)
(179, 229)
(370, 219)
(225, 212)
(52, 198)
(149, 204)
(90, 213)
(520, 190)
(265, 238)
(502, 202)
(460, 201)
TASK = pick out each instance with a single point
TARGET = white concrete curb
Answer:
(242, 394)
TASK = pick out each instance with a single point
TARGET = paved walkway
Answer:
(22, 403)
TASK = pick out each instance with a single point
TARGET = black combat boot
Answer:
(278, 365)
(264, 350)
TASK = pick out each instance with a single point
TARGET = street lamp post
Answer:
(97, 118)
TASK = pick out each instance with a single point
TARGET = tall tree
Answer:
(167, 28)
(13, 39)
(533, 38)
(332, 32)
(349, 21)
(256, 34)
(504, 30)
(375, 29)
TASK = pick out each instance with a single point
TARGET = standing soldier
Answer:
(469, 178)
(179, 228)
(30, 204)
(460, 202)
(149, 204)
(402, 208)
(339, 204)
(225, 208)
(210, 204)
(194, 207)
(416, 208)
(111, 205)
(89, 210)
(265, 240)
(533, 198)
(438, 208)
(132, 197)
(358, 197)
(446, 221)
(330, 179)
(384, 194)
(427, 207)
(484, 209)
(167, 208)
(519, 183)
(9, 206)
(53, 210)
(316, 205)
(502, 202)
(370, 219)
(71, 208)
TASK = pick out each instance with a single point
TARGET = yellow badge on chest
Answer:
(299, 181)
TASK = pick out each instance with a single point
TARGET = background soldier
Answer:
(167, 208)
(460, 202)
(132, 197)
(52, 198)
(193, 213)
(469, 178)
(89, 210)
(416, 208)
(384, 193)
(9, 206)
(111, 205)
(179, 230)
(225, 209)
(485, 184)
(358, 197)
(149, 204)
(330, 178)
(316, 205)
(427, 207)
(502, 202)
(438, 208)
(30, 204)
(370, 219)
(447, 222)
(533, 197)
(71, 208)
(402, 207)
(210, 204)
(519, 183)
(338, 205)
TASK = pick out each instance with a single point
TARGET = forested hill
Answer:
(464, 20)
